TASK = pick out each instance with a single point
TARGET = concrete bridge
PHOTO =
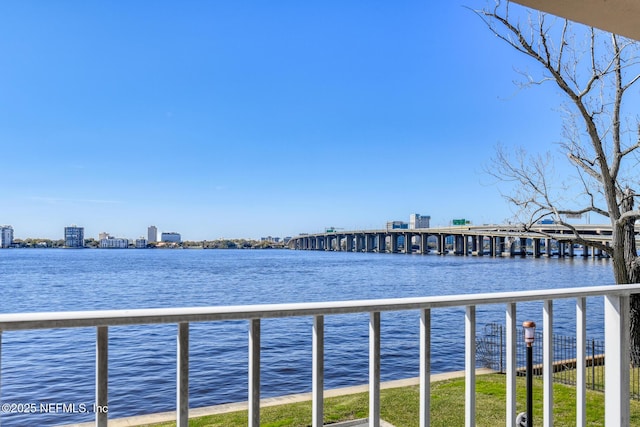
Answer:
(486, 240)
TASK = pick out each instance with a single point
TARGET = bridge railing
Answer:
(616, 328)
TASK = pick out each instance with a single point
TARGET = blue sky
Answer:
(242, 119)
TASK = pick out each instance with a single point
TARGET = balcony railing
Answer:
(616, 330)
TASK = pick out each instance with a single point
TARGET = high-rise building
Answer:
(6, 236)
(152, 234)
(419, 221)
(74, 237)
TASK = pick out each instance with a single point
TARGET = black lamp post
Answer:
(529, 336)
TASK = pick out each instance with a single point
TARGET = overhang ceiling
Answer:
(617, 16)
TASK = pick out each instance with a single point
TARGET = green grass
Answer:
(399, 406)
(595, 376)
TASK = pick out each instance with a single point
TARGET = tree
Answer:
(596, 72)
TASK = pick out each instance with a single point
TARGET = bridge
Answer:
(490, 240)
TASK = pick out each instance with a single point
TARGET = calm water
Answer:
(57, 366)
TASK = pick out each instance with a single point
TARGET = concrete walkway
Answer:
(161, 417)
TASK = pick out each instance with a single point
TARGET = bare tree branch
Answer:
(595, 71)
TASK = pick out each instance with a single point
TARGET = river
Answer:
(56, 367)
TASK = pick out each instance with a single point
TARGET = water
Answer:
(56, 367)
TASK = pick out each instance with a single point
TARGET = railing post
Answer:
(374, 369)
(102, 376)
(581, 359)
(547, 362)
(511, 364)
(182, 380)
(318, 372)
(616, 348)
(470, 366)
(425, 368)
(254, 373)
(500, 348)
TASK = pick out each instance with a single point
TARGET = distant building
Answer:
(419, 221)
(152, 234)
(74, 237)
(103, 235)
(114, 243)
(397, 225)
(141, 243)
(6, 236)
(270, 239)
(170, 237)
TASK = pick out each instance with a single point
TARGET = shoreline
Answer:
(161, 417)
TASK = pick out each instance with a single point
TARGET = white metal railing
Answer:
(616, 328)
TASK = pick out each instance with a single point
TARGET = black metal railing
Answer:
(491, 353)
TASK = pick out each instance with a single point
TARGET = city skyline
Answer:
(248, 119)
(152, 232)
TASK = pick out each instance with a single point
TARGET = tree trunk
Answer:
(634, 329)
(627, 270)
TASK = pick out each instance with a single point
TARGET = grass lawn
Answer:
(400, 407)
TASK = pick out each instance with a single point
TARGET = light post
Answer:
(529, 336)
